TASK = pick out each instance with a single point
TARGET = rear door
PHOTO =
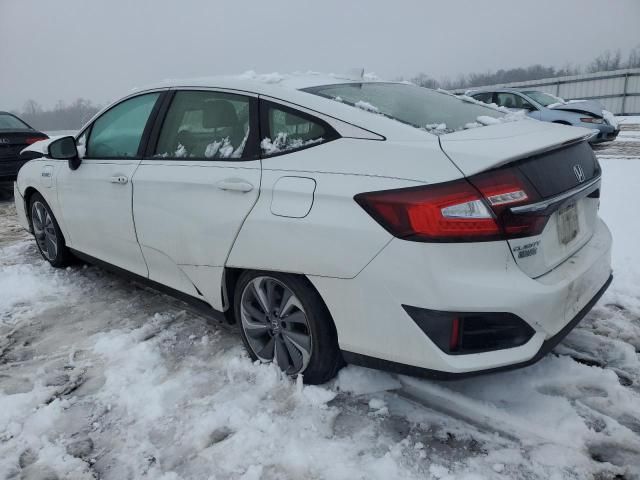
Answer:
(197, 183)
(95, 199)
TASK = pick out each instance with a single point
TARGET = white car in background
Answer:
(335, 219)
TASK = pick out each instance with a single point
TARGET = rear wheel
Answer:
(47, 233)
(283, 320)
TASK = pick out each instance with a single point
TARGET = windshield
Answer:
(9, 122)
(420, 107)
(544, 99)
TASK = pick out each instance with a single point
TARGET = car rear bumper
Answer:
(372, 323)
(547, 346)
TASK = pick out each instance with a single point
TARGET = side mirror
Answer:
(65, 149)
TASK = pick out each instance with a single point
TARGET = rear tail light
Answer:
(465, 210)
(31, 140)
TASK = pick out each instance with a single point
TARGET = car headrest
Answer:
(219, 113)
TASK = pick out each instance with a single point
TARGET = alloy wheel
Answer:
(275, 324)
(44, 230)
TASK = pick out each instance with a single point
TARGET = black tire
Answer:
(323, 359)
(49, 238)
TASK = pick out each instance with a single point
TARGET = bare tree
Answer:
(61, 117)
(633, 60)
(606, 61)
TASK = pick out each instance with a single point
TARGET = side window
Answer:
(507, 100)
(523, 103)
(117, 132)
(286, 130)
(483, 97)
(510, 100)
(206, 125)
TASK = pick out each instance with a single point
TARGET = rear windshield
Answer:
(9, 122)
(436, 112)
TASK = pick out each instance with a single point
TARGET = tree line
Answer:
(606, 61)
(72, 116)
(62, 116)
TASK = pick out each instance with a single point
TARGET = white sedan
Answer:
(335, 219)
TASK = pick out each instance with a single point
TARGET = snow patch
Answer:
(360, 381)
(283, 142)
(366, 106)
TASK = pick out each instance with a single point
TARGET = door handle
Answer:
(235, 185)
(119, 179)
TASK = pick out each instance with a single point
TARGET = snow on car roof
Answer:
(265, 82)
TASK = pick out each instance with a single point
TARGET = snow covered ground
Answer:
(100, 378)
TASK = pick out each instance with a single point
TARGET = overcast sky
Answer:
(54, 50)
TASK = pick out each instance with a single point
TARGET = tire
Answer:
(296, 332)
(49, 238)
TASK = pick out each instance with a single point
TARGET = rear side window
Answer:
(286, 130)
(510, 100)
(118, 132)
(206, 125)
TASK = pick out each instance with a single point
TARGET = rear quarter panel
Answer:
(337, 238)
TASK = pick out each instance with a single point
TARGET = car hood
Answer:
(479, 149)
(580, 106)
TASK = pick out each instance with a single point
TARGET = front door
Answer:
(198, 182)
(96, 198)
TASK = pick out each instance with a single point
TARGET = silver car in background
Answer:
(549, 108)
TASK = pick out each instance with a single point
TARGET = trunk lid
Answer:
(558, 164)
(12, 142)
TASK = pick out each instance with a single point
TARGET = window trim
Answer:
(145, 132)
(251, 149)
(266, 105)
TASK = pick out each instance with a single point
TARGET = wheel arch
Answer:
(230, 282)
(26, 197)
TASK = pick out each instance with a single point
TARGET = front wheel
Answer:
(284, 320)
(48, 236)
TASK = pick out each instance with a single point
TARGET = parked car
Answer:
(15, 135)
(322, 217)
(549, 108)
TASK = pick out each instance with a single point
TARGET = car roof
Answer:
(266, 84)
(287, 88)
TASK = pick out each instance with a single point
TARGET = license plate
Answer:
(568, 223)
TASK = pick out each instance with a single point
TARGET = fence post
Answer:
(624, 93)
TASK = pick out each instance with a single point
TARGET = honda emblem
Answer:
(577, 170)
